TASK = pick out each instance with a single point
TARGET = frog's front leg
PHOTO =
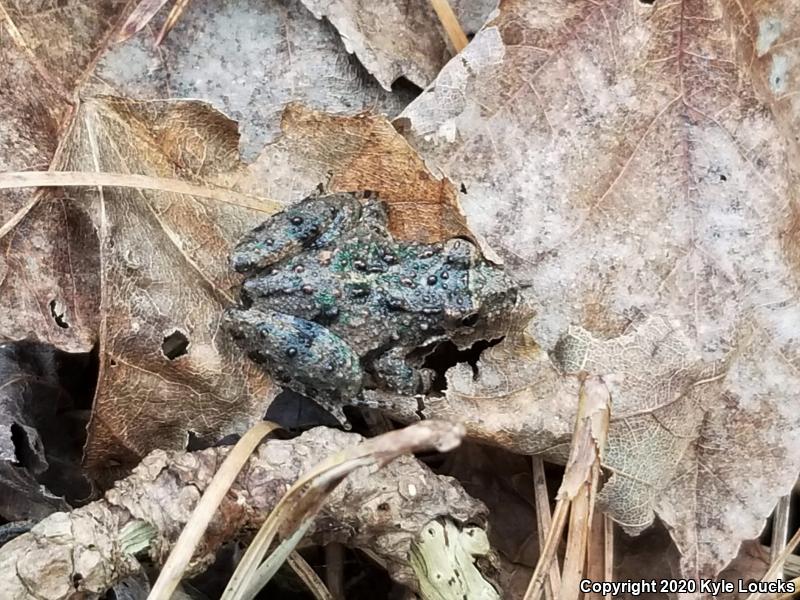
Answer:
(300, 354)
(393, 372)
(314, 221)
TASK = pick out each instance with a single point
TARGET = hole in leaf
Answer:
(57, 312)
(174, 345)
(447, 355)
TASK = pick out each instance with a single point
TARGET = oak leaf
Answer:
(48, 250)
(399, 38)
(636, 164)
(415, 49)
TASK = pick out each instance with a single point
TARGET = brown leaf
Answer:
(472, 14)
(165, 369)
(248, 58)
(363, 152)
(518, 400)
(398, 38)
(391, 39)
(48, 271)
(48, 251)
(634, 159)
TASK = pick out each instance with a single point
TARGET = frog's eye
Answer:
(470, 320)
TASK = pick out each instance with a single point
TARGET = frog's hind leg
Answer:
(300, 354)
(393, 372)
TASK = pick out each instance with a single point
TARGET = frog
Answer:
(331, 304)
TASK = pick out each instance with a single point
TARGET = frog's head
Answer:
(489, 294)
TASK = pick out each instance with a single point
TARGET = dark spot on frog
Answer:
(328, 315)
(360, 291)
(395, 303)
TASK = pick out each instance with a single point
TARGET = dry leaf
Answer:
(667, 409)
(248, 58)
(393, 39)
(624, 160)
(518, 400)
(165, 369)
(472, 14)
(48, 251)
(776, 62)
(751, 563)
(362, 152)
(399, 38)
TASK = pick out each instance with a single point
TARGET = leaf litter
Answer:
(634, 163)
(249, 59)
(624, 160)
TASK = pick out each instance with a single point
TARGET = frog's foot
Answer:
(312, 221)
(393, 372)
